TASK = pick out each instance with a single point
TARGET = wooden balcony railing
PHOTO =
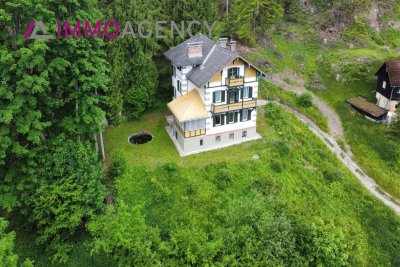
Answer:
(187, 134)
(234, 82)
(233, 106)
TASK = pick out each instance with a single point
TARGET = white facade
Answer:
(241, 100)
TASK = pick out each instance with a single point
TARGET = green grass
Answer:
(274, 92)
(161, 150)
(369, 141)
(291, 175)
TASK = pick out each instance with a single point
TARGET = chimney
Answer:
(195, 49)
(222, 41)
(233, 46)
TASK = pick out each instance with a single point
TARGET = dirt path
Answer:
(334, 122)
(346, 159)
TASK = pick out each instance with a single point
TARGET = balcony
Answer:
(234, 82)
(187, 134)
(233, 106)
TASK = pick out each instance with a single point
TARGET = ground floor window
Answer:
(244, 134)
(219, 119)
(231, 136)
(201, 142)
(218, 139)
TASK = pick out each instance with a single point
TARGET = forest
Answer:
(73, 194)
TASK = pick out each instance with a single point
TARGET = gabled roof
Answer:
(217, 59)
(179, 56)
(188, 107)
(214, 59)
(393, 69)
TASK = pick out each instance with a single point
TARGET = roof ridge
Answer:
(208, 56)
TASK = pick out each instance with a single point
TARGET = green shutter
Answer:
(214, 121)
(222, 119)
(213, 97)
(223, 96)
(236, 116)
(250, 92)
(249, 115)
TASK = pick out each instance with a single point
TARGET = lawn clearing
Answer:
(162, 150)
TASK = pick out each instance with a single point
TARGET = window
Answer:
(219, 119)
(384, 85)
(219, 96)
(233, 96)
(244, 114)
(247, 92)
(231, 117)
(218, 139)
(233, 73)
(178, 86)
(194, 125)
(231, 136)
(176, 135)
(244, 134)
(201, 142)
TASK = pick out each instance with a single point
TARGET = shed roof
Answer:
(362, 104)
(188, 107)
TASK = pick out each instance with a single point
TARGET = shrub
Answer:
(333, 175)
(277, 165)
(305, 100)
(118, 164)
(223, 178)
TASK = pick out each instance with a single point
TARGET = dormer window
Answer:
(384, 85)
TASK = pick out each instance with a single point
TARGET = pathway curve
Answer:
(334, 122)
(346, 158)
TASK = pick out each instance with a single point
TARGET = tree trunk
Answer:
(96, 143)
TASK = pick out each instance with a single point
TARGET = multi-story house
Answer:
(215, 95)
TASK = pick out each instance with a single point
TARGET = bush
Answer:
(277, 165)
(333, 175)
(305, 100)
(325, 245)
(118, 164)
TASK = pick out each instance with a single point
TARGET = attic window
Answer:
(384, 85)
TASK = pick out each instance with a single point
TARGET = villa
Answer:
(215, 96)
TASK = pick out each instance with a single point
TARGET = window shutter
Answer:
(241, 114)
(223, 96)
(222, 119)
(250, 92)
(214, 121)
(236, 116)
(249, 115)
(213, 97)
